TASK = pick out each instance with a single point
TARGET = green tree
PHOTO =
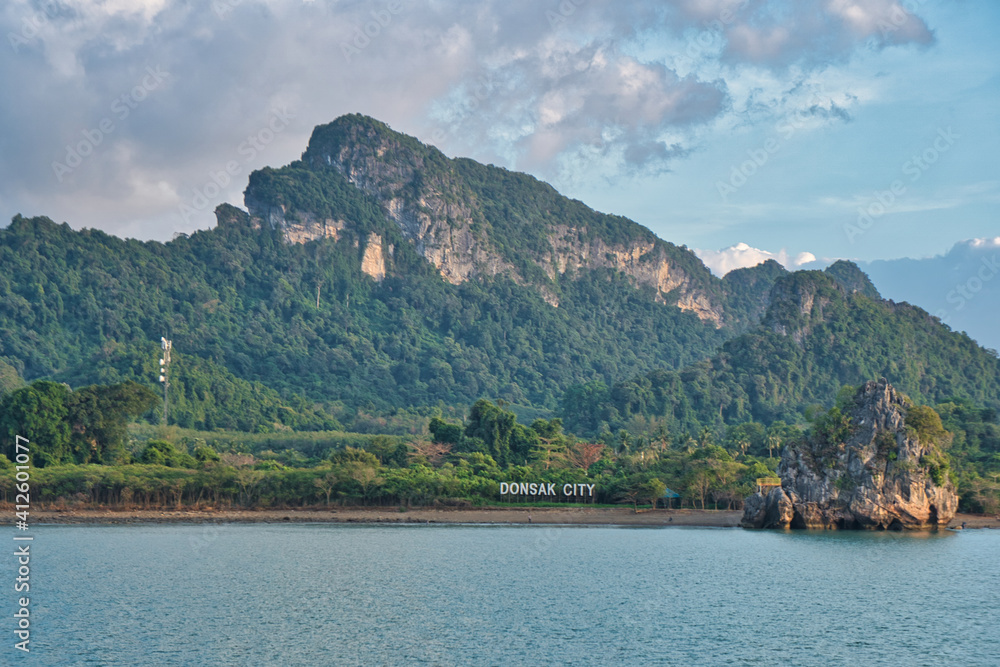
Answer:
(925, 423)
(653, 489)
(164, 453)
(325, 484)
(37, 412)
(98, 416)
(356, 467)
(445, 433)
(10, 379)
(506, 441)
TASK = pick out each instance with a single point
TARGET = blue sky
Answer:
(811, 187)
(639, 109)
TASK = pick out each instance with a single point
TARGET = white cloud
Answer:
(497, 79)
(985, 243)
(741, 256)
(783, 33)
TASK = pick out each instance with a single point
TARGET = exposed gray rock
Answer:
(439, 213)
(881, 476)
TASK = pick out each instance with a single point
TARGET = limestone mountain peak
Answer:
(468, 220)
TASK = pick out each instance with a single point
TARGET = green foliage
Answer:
(748, 291)
(98, 415)
(203, 394)
(714, 470)
(443, 432)
(163, 453)
(924, 422)
(750, 437)
(815, 339)
(886, 445)
(84, 425)
(10, 379)
(38, 413)
(973, 453)
(204, 453)
(845, 483)
(352, 455)
(506, 441)
(389, 451)
(845, 398)
(832, 427)
(652, 489)
(938, 467)
(288, 446)
(852, 279)
(250, 343)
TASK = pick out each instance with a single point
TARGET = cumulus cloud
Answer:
(138, 149)
(513, 82)
(985, 243)
(741, 256)
(560, 97)
(782, 33)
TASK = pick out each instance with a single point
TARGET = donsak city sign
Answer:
(545, 489)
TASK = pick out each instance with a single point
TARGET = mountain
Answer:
(375, 274)
(958, 287)
(822, 331)
(470, 221)
(961, 287)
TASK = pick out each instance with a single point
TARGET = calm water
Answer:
(497, 595)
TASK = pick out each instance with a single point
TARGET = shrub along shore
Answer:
(84, 456)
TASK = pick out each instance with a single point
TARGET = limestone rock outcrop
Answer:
(872, 469)
(424, 194)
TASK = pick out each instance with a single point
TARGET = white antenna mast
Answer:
(164, 377)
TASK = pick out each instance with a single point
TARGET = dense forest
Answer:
(461, 463)
(289, 354)
(240, 306)
(816, 337)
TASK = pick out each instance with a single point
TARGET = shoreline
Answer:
(586, 516)
(597, 516)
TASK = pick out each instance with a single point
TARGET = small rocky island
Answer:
(875, 464)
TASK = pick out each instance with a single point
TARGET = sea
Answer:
(334, 594)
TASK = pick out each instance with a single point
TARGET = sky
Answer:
(797, 129)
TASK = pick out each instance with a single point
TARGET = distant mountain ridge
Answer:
(957, 286)
(961, 286)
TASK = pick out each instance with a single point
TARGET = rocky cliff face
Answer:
(435, 212)
(799, 301)
(885, 474)
(420, 191)
(297, 226)
(646, 263)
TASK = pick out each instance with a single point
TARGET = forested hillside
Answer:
(272, 328)
(378, 286)
(822, 330)
(376, 275)
(241, 305)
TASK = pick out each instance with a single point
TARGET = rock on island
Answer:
(878, 464)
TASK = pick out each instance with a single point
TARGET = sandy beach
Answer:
(618, 516)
